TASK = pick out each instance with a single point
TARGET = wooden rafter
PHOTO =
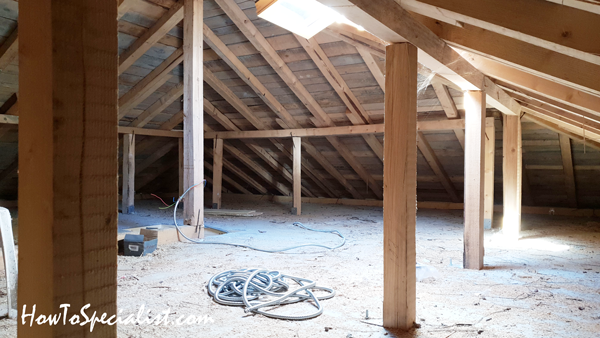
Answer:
(356, 113)
(561, 129)
(547, 88)
(558, 67)
(151, 36)
(240, 173)
(149, 84)
(272, 57)
(9, 49)
(158, 107)
(449, 108)
(155, 156)
(229, 180)
(437, 167)
(552, 26)
(387, 19)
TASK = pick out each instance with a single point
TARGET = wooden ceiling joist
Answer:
(151, 36)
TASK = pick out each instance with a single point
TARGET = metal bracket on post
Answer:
(10, 260)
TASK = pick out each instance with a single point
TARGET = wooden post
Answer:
(400, 187)
(68, 142)
(490, 156)
(128, 194)
(567, 159)
(474, 179)
(512, 176)
(193, 124)
(297, 168)
(181, 190)
(217, 172)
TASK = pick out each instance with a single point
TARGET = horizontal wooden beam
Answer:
(421, 205)
(9, 119)
(332, 131)
(150, 132)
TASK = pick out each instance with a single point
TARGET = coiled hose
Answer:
(246, 287)
(197, 241)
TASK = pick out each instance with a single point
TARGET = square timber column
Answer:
(474, 102)
(400, 187)
(217, 173)
(512, 171)
(68, 143)
(297, 176)
(128, 192)
(193, 124)
(490, 159)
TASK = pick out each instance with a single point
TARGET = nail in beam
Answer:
(512, 179)
(193, 125)
(474, 179)
(68, 142)
(400, 186)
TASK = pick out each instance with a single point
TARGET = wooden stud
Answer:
(400, 183)
(490, 157)
(193, 124)
(474, 179)
(68, 145)
(128, 194)
(297, 144)
(512, 176)
(180, 157)
(567, 159)
(217, 173)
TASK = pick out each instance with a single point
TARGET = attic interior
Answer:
(438, 156)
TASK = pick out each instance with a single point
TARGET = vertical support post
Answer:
(567, 159)
(512, 176)
(68, 142)
(490, 157)
(474, 179)
(297, 176)
(400, 187)
(193, 124)
(217, 172)
(128, 193)
(181, 190)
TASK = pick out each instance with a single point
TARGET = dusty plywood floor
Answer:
(548, 285)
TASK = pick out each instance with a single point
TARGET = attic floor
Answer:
(547, 285)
